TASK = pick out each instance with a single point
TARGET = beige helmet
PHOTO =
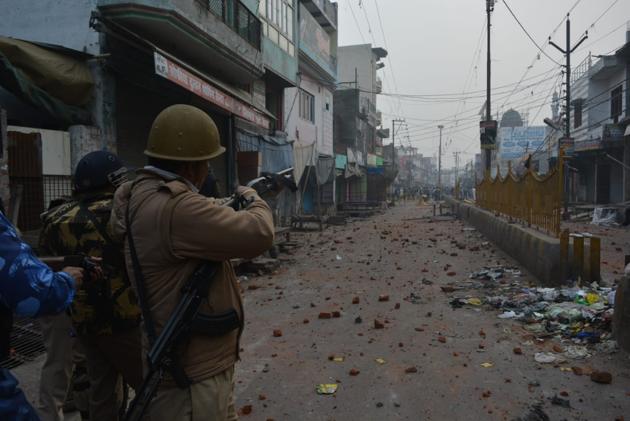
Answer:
(184, 133)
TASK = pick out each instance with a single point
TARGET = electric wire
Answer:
(527, 33)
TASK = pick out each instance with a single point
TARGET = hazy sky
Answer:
(434, 49)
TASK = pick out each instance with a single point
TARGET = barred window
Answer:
(577, 113)
(307, 106)
(616, 103)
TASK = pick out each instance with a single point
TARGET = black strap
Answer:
(140, 284)
(97, 224)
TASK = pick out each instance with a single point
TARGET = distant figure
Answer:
(210, 187)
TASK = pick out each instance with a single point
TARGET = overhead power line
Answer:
(528, 35)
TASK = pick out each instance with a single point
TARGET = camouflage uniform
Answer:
(105, 313)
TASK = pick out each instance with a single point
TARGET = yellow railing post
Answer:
(564, 255)
(578, 255)
(595, 258)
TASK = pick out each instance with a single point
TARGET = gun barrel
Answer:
(55, 263)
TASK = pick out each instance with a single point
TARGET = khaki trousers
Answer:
(208, 400)
(63, 352)
(110, 359)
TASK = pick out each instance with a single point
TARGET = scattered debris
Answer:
(410, 370)
(601, 377)
(326, 389)
(246, 410)
(487, 365)
(536, 413)
(545, 358)
(378, 324)
(354, 372)
(277, 333)
(556, 400)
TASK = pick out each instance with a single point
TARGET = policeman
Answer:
(105, 314)
(174, 229)
(27, 288)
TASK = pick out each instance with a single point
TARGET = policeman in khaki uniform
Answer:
(174, 230)
(105, 314)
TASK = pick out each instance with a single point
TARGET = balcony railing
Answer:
(238, 17)
(327, 13)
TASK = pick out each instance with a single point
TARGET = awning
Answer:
(53, 79)
(276, 152)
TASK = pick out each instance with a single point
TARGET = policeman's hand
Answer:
(245, 195)
(96, 271)
(76, 273)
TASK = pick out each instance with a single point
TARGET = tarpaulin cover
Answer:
(353, 170)
(341, 161)
(50, 79)
(325, 167)
(376, 170)
(303, 156)
(277, 153)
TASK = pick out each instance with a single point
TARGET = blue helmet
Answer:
(97, 170)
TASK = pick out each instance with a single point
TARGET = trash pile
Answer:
(580, 314)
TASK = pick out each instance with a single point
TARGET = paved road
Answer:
(390, 255)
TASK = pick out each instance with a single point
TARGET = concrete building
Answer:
(600, 119)
(362, 174)
(308, 108)
(123, 61)
(416, 171)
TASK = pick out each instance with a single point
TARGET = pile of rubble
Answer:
(579, 314)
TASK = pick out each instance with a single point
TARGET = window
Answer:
(279, 14)
(616, 103)
(577, 110)
(307, 106)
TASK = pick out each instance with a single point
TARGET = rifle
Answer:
(266, 183)
(76, 260)
(186, 318)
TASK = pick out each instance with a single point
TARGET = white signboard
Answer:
(515, 142)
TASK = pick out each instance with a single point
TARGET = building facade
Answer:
(308, 107)
(362, 173)
(600, 158)
(133, 58)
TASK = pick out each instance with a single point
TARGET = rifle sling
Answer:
(140, 285)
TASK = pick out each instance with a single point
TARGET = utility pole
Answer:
(567, 126)
(488, 128)
(395, 163)
(394, 121)
(440, 164)
(456, 155)
(489, 10)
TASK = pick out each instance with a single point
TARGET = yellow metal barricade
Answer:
(531, 199)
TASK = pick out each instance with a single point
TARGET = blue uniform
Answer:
(29, 288)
